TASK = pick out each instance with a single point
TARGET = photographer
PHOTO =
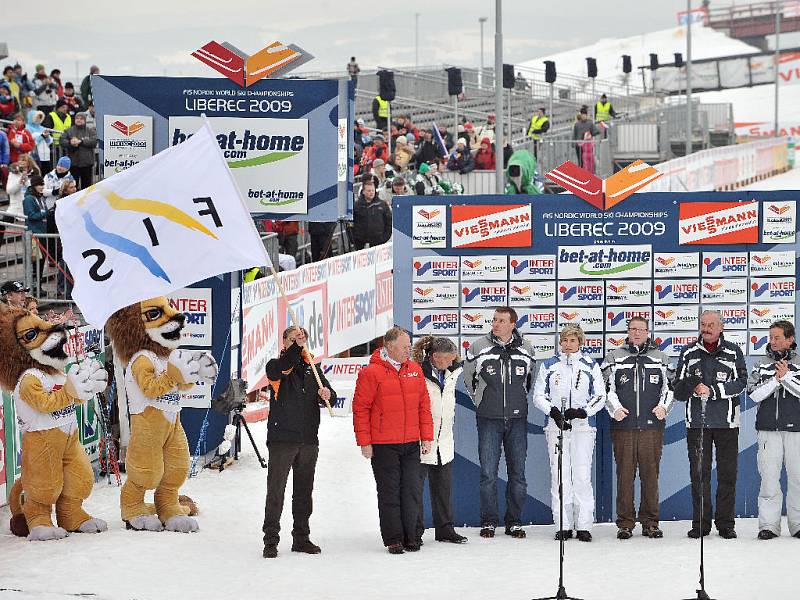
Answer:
(44, 93)
(292, 440)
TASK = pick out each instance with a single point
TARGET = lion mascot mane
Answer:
(55, 468)
(146, 336)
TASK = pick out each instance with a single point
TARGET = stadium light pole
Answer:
(688, 77)
(481, 20)
(777, 61)
(416, 41)
(498, 96)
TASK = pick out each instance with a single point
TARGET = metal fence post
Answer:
(27, 259)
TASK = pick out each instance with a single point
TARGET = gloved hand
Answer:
(208, 367)
(575, 413)
(184, 367)
(558, 419)
(87, 379)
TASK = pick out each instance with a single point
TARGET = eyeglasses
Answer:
(634, 329)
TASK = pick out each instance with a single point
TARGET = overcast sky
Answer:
(149, 37)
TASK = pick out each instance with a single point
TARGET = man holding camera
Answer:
(710, 377)
(292, 439)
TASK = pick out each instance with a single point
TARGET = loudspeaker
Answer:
(678, 60)
(550, 71)
(509, 80)
(653, 61)
(627, 67)
(386, 87)
(591, 67)
(455, 85)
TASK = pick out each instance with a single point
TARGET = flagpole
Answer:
(293, 317)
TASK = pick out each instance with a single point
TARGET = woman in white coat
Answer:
(576, 382)
(438, 357)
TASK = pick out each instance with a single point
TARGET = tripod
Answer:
(561, 594)
(239, 421)
(701, 593)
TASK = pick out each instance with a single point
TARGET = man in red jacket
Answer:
(20, 140)
(393, 424)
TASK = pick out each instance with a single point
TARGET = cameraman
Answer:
(292, 440)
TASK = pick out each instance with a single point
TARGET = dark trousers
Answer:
(440, 484)
(396, 470)
(82, 175)
(495, 435)
(637, 449)
(726, 442)
(301, 459)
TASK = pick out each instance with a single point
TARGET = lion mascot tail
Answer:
(19, 526)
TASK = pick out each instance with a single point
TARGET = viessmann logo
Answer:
(271, 61)
(128, 130)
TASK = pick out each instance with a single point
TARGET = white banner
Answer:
(195, 304)
(128, 141)
(268, 158)
(351, 299)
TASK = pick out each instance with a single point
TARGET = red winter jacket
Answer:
(25, 139)
(391, 407)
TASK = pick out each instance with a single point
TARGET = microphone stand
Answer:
(561, 594)
(701, 593)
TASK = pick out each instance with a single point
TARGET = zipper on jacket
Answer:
(503, 379)
(777, 406)
(638, 384)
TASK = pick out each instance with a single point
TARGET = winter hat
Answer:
(468, 126)
(378, 162)
(401, 139)
(82, 114)
(38, 117)
(61, 102)
(491, 117)
(410, 137)
(486, 141)
(39, 67)
(37, 180)
(64, 162)
(379, 137)
(461, 142)
(360, 121)
(424, 168)
(69, 86)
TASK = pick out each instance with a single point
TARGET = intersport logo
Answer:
(271, 61)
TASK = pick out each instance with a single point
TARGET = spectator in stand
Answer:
(74, 104)
(42, 140)
(288, 234)
(8, 104)
(353, 70)
(469, 135)
(25, 86)
(603, 110)
(377, 150)
(54, 180)
(90, 120)
(447, 137)
(58, 119)
(485, 157)
(380, 173)
(19, 177)
(55, 75)
(5, 158)
(774, 385)
(487, 129)
(35, 210)
(372, 218)
(86, 85)
(540, 124)
(438, 357)
(428, 150)
(404, 126)
(80, 141)
(582, 126)
(20, 139)
(359, 131)
(13, 293)
(520, 83)
(13, 86)
(380, 112)
(44, 92)
(398, 187)
(461, 159)
(403, 154)
(427, 181)
(393, 427)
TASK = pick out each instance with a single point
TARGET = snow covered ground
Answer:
(785, 181)
(224, 559)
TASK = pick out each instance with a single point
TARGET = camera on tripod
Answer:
(232, 400)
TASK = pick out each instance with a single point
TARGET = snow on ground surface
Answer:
(785, 181)
(706, 43)
(754, 108)
(224, 559)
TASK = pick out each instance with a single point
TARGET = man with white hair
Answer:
(710, 377)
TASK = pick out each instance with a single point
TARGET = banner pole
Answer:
(293, 317)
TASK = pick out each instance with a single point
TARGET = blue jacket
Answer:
(35, 215)
(5, 149)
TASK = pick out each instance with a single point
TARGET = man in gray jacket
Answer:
(775, 385)
(79, 141)
(639, 398)
(498, 374)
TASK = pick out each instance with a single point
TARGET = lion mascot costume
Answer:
(146, 337)
(55, 468)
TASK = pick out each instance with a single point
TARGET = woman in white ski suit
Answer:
(576, 381)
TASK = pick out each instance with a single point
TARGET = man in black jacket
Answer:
(639, 398)
(710, 377)
(292, 440)
(372, 217)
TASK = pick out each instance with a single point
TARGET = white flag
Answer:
(169, 221)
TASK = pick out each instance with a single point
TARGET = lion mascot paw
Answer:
(146, 337)
(32, 363)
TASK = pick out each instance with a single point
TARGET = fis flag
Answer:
(167, 222)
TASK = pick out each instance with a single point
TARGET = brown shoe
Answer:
(652, 531)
